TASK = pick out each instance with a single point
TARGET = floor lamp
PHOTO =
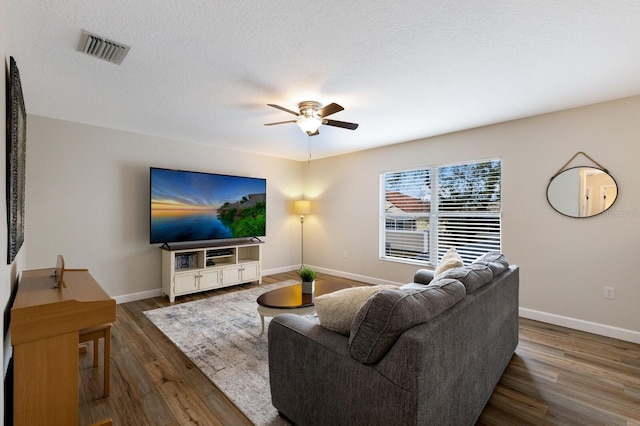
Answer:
(302, 207)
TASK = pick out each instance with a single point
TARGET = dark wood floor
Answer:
(557, 377)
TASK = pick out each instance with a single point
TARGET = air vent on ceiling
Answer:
(102, 48)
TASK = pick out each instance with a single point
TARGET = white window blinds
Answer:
(427, 211)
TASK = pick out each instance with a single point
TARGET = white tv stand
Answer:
(196, 268)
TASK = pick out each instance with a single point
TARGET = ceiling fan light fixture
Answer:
(309, 124)
(312, 116)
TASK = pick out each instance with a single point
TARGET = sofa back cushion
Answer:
(472, 276)
(386, 315)
(480, 272)
(494, 260)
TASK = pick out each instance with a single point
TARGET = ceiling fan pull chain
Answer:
(309, 145)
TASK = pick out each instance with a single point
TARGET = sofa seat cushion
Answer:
(387, 314)
(472, 276)
(336, 310)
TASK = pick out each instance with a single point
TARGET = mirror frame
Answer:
(581, 167)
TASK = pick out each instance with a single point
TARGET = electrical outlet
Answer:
(609, 293)
(344, 255)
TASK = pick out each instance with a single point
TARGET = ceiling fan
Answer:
(311, 116)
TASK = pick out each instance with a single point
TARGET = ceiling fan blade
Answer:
(280, 122)
(342, 124)
(332, 108)
(283, 109)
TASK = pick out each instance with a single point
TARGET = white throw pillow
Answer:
(336, 310)
(450, 260)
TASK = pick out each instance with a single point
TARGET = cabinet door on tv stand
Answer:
(250, 272)
(185, 283)
(231, 275)
(209, 279)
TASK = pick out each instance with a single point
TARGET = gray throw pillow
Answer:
(336, 310)
(386, 315)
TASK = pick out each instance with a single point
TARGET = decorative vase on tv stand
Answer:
(308, 277)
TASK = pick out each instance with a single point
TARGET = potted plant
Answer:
(308, 277)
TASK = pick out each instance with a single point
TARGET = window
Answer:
(427, 211)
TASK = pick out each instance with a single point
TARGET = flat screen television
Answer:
(193, 206)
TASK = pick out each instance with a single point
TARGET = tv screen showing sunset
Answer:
(193, 206)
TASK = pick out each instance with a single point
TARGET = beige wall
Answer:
(562, 273)
(88, 199)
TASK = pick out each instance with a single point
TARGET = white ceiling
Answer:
(203, 71)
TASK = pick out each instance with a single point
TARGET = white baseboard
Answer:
(587, 326)
(138, 296)
(362, 278)
(273, 271)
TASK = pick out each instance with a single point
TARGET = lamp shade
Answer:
(302, 206)
(309, 124)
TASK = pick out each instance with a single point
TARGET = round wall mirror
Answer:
(582, 191)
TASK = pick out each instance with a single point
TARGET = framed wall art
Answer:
(16, 162)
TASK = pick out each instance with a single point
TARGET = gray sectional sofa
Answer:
(429, 353)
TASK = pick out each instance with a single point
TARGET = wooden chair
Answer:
(94, 334)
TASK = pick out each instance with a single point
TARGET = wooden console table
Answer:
(45, 322)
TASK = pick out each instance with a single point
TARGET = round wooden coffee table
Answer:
(290, 299)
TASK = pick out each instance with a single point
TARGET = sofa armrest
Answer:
(311, 330)
(314, 380)
(423, 276)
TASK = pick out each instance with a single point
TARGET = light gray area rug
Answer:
(220, 335)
